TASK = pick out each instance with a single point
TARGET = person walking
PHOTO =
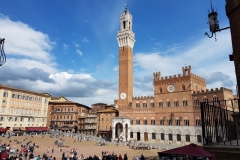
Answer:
(52, 149)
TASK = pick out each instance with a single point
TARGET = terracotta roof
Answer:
(22, 90)
(107, 111)
(69, 102)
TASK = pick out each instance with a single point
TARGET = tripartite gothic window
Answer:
(205, 100)
(186, 122)
(196, 102)
(176, 103)
(152, 104)
(198, 122)
(185, 102)
(131, 121)
(177, 121)
(215, 100)
(168, 103)
(161, 121)
(152, 121)
(138, 121)
(144, 105)
(169, 121)
(160, 104)
(145, 121)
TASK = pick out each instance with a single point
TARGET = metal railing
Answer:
(221, 122)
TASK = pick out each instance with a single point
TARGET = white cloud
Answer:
(65, 46)
(85, 40)
(76, 44)
(22, 40)
(207, 58)
(79, 52)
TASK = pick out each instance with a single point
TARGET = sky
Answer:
(69, 47)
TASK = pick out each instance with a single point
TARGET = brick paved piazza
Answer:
(85, 147)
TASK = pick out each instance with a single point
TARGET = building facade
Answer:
(66, 115)
(22, 108)
(105, 122)
(172, 114)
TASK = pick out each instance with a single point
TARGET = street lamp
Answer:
(2, 54)
(213, 22)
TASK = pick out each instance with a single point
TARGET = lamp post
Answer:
(213, 22)
(2, 54)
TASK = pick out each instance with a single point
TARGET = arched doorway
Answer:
(138, 136)
(119, 131)
(145, 136)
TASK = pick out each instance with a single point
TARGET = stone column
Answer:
(113, 133)
(141, 136)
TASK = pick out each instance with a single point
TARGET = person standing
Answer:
(125, 157)
(119, 157)
(52, 149)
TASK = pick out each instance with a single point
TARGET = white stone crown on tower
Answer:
(126, 36)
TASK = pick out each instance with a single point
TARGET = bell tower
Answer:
(126, 39)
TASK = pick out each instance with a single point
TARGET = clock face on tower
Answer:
(123, 95)
(171, 88)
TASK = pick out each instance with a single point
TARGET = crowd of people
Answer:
(27, 147)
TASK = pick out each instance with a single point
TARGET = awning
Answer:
(15, 128)
(3, 129)
(22, 128)
(191, 150)
(37, 128)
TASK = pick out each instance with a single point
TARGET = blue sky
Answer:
(69, 48)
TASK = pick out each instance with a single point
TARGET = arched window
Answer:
(186, 121)
(176, 104)
(160, 104)
(183, 87)
(169, 121)
(168, 103)
(198, 122)
(177, 120)
(131, 121)
(153, 135)
(187, 138)
(160, 90)
(199, 138)
(205, 99)
(137, 121)
(162, 136)
(178, 137)
(161, 121)
(145, 121)
(196, 102)
(152, 104)
(137, 105)
(185, 103)
(215, 100)
(144, 104)
(152, 121)
(170, 137)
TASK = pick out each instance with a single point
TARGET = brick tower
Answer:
(233, 13)
(126, 41)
